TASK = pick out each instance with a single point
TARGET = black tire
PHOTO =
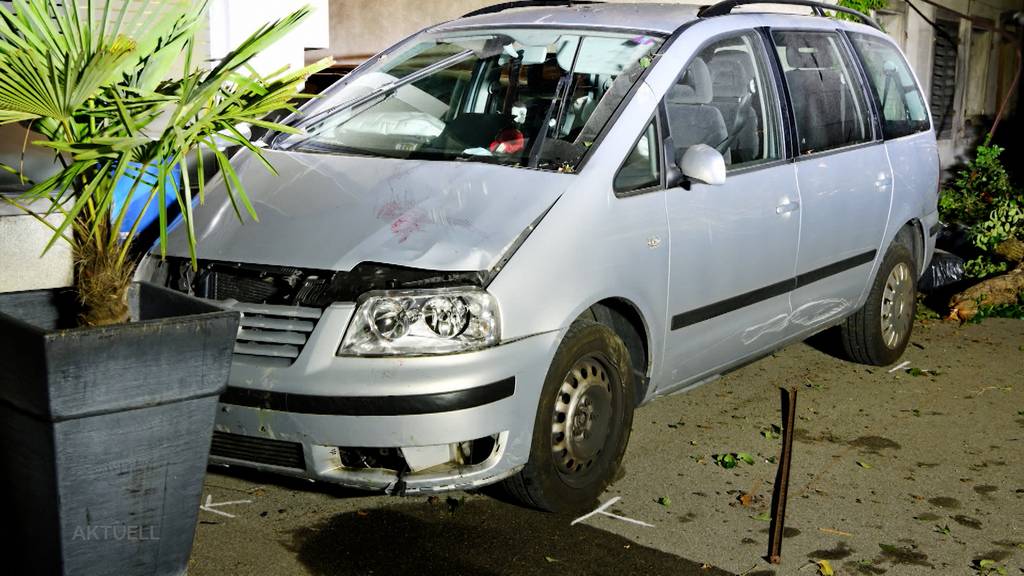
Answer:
(864, 338)
(556, 481)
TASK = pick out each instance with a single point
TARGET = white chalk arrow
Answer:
(602, 511)
(209, 506)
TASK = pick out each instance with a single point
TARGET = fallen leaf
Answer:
(863, 464)
(763, 517)
(665, 501)
(362, 513)
(725, 460)
(550, 559)
(745, 499)
(825, 568)
(745, 457)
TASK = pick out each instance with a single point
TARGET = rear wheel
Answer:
(583, 422)
(879, 333)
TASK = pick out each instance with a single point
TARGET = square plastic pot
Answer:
(105, 432)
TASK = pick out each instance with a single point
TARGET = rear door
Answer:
(842, 170)
(906, 126)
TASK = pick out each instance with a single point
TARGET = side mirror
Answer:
(702, 163)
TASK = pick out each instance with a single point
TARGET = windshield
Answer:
(535, 98)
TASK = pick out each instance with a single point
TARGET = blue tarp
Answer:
(141, 195)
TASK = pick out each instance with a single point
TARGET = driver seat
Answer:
(692, 118)
(734, 93)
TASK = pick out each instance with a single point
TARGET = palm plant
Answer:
(94, 77)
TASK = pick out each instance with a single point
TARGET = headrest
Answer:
(808, 56)
(739, 56)
(695, 87)
(729, 76)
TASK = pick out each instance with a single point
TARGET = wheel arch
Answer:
(626, 320)
(911, 234)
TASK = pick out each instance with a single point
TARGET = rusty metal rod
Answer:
(775, 531)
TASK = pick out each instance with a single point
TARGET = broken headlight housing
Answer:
(422, 322)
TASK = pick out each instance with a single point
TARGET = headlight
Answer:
(419, 322)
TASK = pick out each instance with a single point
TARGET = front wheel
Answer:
(879, 333)
(582, 424)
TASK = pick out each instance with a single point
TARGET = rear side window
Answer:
(828, 102)
(892, 85)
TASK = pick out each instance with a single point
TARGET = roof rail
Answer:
(726, 6)
(502, 6)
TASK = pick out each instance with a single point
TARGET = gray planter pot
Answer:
(104, 432)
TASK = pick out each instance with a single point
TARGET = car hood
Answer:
(333, 212)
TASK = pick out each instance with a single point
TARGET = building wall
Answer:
(232, 21)
(361, 28)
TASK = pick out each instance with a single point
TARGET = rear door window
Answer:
(893, 87)
(827, 97)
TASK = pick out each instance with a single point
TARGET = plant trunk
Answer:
(1004, 289)
(102, 284)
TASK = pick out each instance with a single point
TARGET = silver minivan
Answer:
(499, 237)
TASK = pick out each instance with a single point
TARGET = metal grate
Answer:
(225, 286)
(274, 332)
(944, 65)
(258, 450)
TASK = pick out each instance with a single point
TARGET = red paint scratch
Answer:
(408, 219)
(407, 224)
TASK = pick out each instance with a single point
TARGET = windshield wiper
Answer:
(321, 146)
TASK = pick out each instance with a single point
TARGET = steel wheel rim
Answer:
(582, 417)
(897, 305)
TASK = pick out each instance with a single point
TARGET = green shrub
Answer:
(982, 198)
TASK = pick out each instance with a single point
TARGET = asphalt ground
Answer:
(906, 472)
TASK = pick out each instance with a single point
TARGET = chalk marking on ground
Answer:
(209, 506)
(601, 510)
(900, 366)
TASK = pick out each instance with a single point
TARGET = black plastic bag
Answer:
(945, 269)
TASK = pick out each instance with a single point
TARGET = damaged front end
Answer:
(459, 465)
(282, 305)
(289, 286)
(301, 402)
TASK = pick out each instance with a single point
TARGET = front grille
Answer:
(276, 333)
(258, 450)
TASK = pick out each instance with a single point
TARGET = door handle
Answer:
(787, 207)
